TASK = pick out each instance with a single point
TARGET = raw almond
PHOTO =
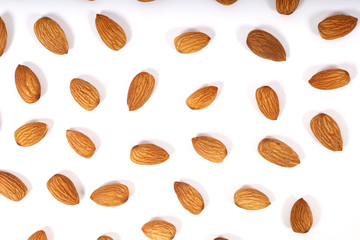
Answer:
(30, 134)
(327, 132)
(140, 90)
(189, 197)
(39, 235)
(12, 187)
(111, 195)
(301, 218)
(63, 189)
(27, 84)
(159, 230)
(251, 199)
(3, 36)
(191, 42)
(226, 2)
(220, 238)
(202, 98)
(265, 45)
(148, 154)
(210, 148)
(80, 143)
(51, 35)
(105, 238)
(268, 102)
(278, 152)
(85, 94)
(110, 32)
(336, 26)
(145, 0)
(330, 79)
(286, 7)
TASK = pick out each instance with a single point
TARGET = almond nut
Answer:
(12, 187)
(140, 90)
(251, 199)
(226, 2)
(110, 32)
(3, 36)
(80, 143)
(148, 154)
(30, 134)
(105, 238)
(286, 7)
(336, 26)
(159, 230)
(189, 197)
(330, 79)
(268, 102)
(210, 148)
(39, 235)
(202, 98)
(191, 42)
(63, 189)
(27, 84)
(111, 195)
(85, 94)
(301, 218)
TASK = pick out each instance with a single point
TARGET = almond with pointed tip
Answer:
(30, 134)
(226, 2)
(286, 7)
(110, 32)
(330, 79)
(251, 199)
(210, 148)
(159, 230)
(202, 98)
(80, 143)
(189, 197)
(3, 36)
(301, 218)
(12, 187)
(148, 154)
(63, 189)
(111, 195)
(336, 26)
(191, 42)
(27, 84)
(140, 90)
(85, 94)
(268, 102)
(105, 238)
(39, 235)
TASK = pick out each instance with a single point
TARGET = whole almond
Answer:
(202, 98)
(210, 148)
(220, 238)
(286, 7)
(189, 197)
(80, 143)
(12, 187)
(140, 90)
(39, 235)
(3, 36)
(110, 32)
(51, 35)
(145, 0)
(265, 45)
(330, 79)
(148, 154)
(30, 134)
(159, 230)
(27, 84)
(251, 199)
(226, 2)
(336, 26)
(105, 238)
(268, 102)
(278, 152)
(327, 132)
(111, 195)
(191, 42)
(63, 189)
(85, 94)
(301, 218)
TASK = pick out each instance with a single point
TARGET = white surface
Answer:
(328, 181)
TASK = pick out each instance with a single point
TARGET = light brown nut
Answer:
(111, 195)
(105, 238)
(210, 148)
(30, 134)
(191, 42)
(140, 90)
(189, 197)
(226, 2)
(268, 102)
(110, 32)
(202, 98)
(251, 199)
(220, 238)
(286, 7)
(148, 154)
(39, 235)
(336, 26)
(85, 94)
(330, 79)
(159, 230)
(27, 84)
(301, 218)
(80, 143)
(63, 189)
(3, 36)
(12, 187)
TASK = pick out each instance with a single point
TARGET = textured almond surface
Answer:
(12, 187)
(301, 218)
(51, 35)
(286, 7)
(80, 143)
(27, 84)
(148, 154)
(111, 195)
(39, 235)
(3, 36)
(159, 230)
(220, 238)
(210, 148)
(191, 42)
(265, 45)
(85, 94)
(330, 79)
(327, 132)
(105, 238)
(251, 199)
(30, 134)
(140, 90)
(189, 197)
(336, 26)
(268, 102)
(202, 98)
(63, 189)
(110, 32)
(278, 152)
(226, 2)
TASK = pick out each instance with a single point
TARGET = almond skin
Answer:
(327, 132)
(189, 197)
(12, 187)
(111, 195)
(27, 84)
(220, 238)
(277, 152)
(80, 143)
(63, 189)
(105, 238)
(51, 35)
(85, 94)
(210, 148)
(159, 230)
(3, 36)
(251, 199)
(191, 42)
(268, 102)
(140, 90)
(30, 134)
(286, 7)
(336, 26)
(148, 154)
(202, 98)
(110, 32)
(226, 2)
(301, 218)
(265, 45)
(39, 235)
(330, 79)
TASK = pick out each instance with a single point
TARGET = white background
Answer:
(328, 181)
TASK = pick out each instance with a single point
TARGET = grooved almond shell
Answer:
(111, 195)
(63, 189)
(226, 2)
(85, 94)
(189, 197)
(159, 230)
(12, 187)
(330, 79)
(251, 199)
(210, 148)
(220, 238)
(336, 26)
(301, 218)
(39, 235)
(140, 90)
(110, 32)
(80, 143)
(3, 36)
(105, 238)
(202, 98)
(191, 42)
(286, 7)
(27, 84)
(268, 102)
(148, 154)
(30, 134)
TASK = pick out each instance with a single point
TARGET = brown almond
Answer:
(51, 35)
(111, 195)
(145, 0)
(148, 154)
(226, 2)
(3, 36)
(191, 42)
(140, 90)
(27, 84)
(85, 94)
(251, 199)
(220, 238)
(189, 197)
(336, 26)
(268, 102)
(80, 143)
(327, 132)
(265, 45)
(12, 187)
(105, 238)
(30, 134)
(210, 148)
(278, 152)
(39, 235)
(301, 218)
(63, 189)
(110, 32)
(286, 7)
(159, 230)
(330, 79)
(202, 98)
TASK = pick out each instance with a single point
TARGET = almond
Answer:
(110, 32)
(220, 238)
(265, 45)
(145, 0)
(251, 199)
(210, 148)
(268, 102)
(30, 134)
(301, 218)
(63, 189)
(111, 195)
(148, 154)
(105, 238)
(140, 90)
(159, 230)
(51, 35)
(80, 143)
(12, 187)
(85, 94)
(189, 197)
(226, 2)
(336, 26)
(327, 132)
(278, 152)
(330, 79)
(27, 84)
(191, 42)
(3, 36)
(286, 7)
(39, 235)
(202, 98)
